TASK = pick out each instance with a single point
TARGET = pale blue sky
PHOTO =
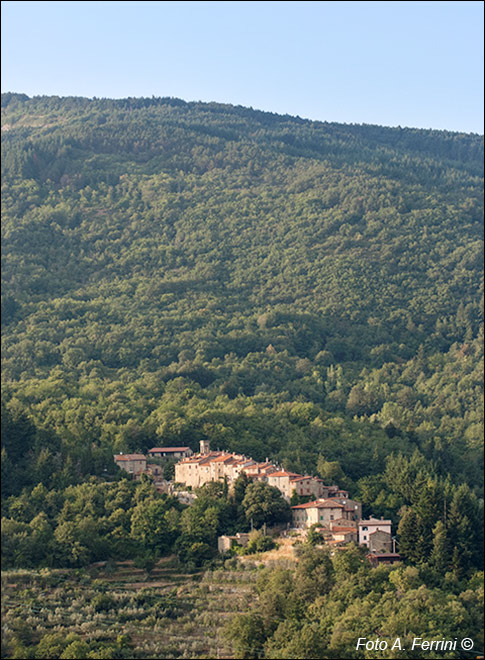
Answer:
(414, 64)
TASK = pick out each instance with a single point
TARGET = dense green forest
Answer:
(304, 291)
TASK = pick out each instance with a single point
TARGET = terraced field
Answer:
(118, 611)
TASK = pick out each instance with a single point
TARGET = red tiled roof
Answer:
(198, 458)
(284, 473)
(223, 458)
(338, 530)
(325, 504)
(328, 504)
(130, 457)
(374, 521)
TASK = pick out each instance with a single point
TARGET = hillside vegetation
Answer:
(303, 291)
(182, 270)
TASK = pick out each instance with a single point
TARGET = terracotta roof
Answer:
(328, 504)
(301, 478)
(168, 449)
(130, 457)
(374, 521)
(284, 473)
(319, 504)
(348, 523)
(338, 530)
(223, 458)
(197, 459)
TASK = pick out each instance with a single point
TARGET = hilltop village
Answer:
(326, 509)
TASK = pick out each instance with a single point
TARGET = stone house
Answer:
(380, 541)
(225, 543)
(322, 512)
(352, 508)
(344, 534)
(308, 487)
(282, 480)
(134, 464)
(194, 471)
(259, 470)
(367, 527)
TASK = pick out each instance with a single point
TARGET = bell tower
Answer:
(204, 446)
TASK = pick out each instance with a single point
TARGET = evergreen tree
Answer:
(440, 554)
(410, 536)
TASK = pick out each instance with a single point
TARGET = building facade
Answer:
(380, 541)
(368, 527)
(134, 464)
(322, 512)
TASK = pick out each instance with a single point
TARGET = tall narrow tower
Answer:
(204, 446)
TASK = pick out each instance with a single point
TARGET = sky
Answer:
(417, 64)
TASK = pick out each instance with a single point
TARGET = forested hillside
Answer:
(304, 291)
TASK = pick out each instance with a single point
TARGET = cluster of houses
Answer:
(327, 509)
(137, 464)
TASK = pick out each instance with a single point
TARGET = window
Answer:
(364, 529)
(365, 538)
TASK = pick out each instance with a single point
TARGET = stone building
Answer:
(368, 527)
(134, 464)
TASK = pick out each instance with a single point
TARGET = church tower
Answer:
(204, 446)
